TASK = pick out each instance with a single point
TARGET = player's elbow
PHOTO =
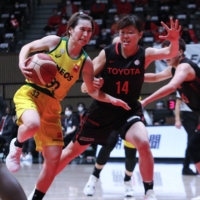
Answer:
(172, 87)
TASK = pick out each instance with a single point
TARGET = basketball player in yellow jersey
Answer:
(38, 107)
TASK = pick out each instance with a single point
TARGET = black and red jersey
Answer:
(123, 77)
(190, 90)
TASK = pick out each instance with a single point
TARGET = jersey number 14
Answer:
(122, 87)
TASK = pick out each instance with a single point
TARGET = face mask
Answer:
(80, 108)
(68, 113)
(67, 2)
(122, 1)
(103, 33)
(12, 16)
(16, 6)
(116, 19)
(97, 1)
(64, 21)
(160, 30)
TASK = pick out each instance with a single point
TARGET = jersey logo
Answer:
(62, 51)
(58, 55)
(184, 98)
(137, 62)
(76, 68)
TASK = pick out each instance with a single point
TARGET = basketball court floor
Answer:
(169, 183)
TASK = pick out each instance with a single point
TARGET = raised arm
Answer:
(167, 52)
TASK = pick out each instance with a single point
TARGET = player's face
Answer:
(171, 61)
(129, 36)
(82, 32)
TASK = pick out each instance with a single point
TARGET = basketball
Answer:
(44, 68)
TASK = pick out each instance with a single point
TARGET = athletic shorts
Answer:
(101, 120)
(128, 144)
(49, 109)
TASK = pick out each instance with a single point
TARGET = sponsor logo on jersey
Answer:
(58, 55)
(117, 71)
(59, 135)
(76, 68)
(65, 74)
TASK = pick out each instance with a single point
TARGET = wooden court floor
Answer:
(169, 183)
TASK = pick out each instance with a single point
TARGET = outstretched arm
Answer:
(153, 54)
(153, 77)
(182, 74)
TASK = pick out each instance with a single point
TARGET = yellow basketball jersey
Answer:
(68, 69)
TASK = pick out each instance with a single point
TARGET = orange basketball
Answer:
(44, 68)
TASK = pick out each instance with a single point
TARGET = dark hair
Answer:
(81, 103)
(182, 45)
(73, 21)
(129, 20)
(69, 107)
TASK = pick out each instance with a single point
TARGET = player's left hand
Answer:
(119, 102)
(173, 31)
(98, 83)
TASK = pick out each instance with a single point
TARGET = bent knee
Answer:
(32, 126)
(143, 146)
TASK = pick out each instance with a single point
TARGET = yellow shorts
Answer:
(128, 144)
(49, 109)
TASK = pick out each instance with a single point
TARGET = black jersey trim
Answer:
(43, 90)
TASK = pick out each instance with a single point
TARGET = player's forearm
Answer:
(149, 77)
(173, 48)
(100, 96)
(162, 92)
(177, 111)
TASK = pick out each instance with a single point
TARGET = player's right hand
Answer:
(98, 83)
(178, 124)
(119, 102)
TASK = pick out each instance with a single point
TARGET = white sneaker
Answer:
(29, 157)
(89, 188)
(129, 192)
(31, 195)
(13, 158)
(196, 198)
(150, 195)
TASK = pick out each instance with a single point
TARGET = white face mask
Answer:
(122, 1)
(103, 33)
(80, 108)
(64, 21)
(68, 113)
(67, 2)
(116, 19)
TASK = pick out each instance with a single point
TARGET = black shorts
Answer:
(101, 120)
